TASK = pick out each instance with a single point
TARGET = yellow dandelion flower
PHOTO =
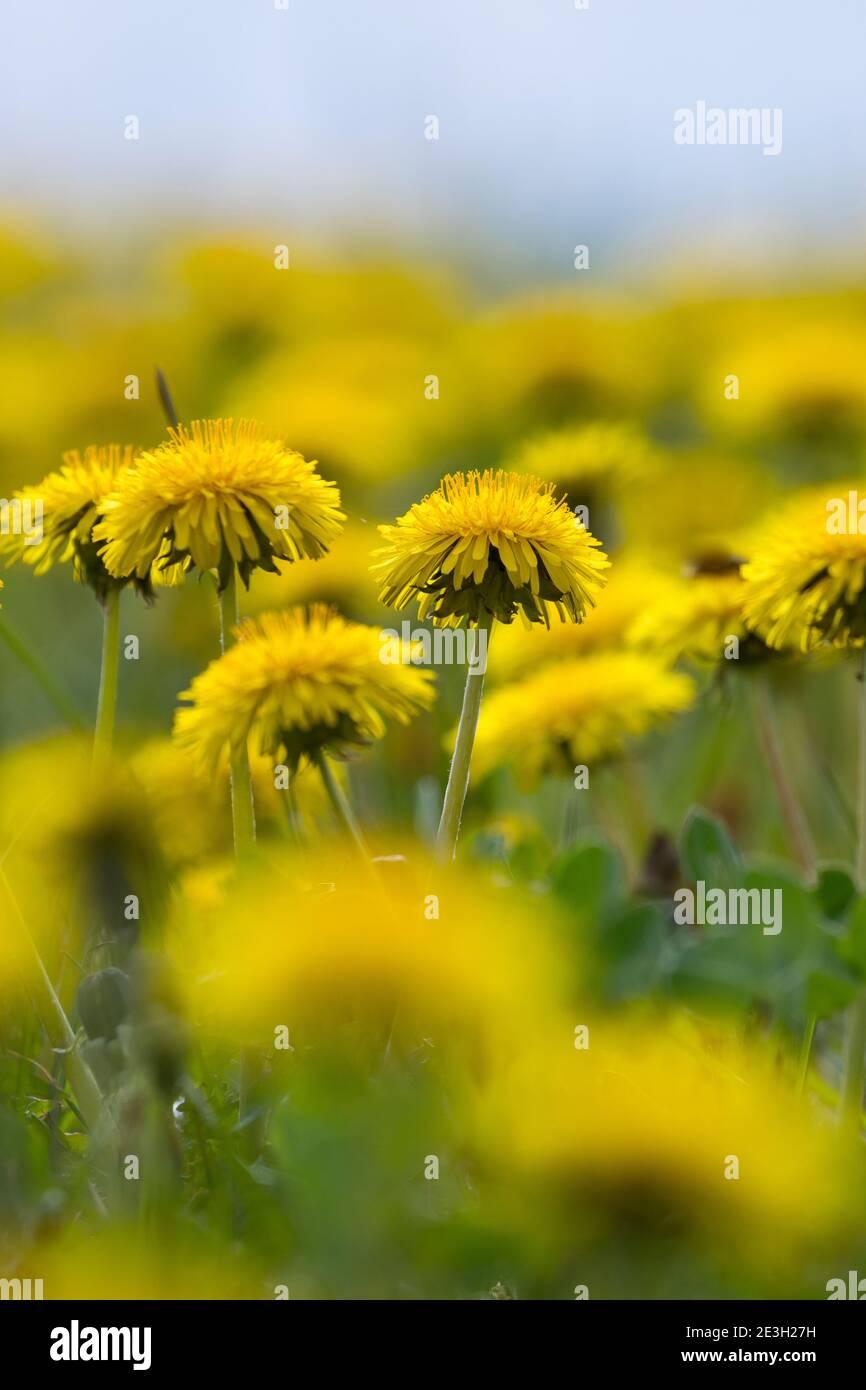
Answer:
(806, 579)
(53, 521)
(300, 682)
(805, 379)
(586, 458)
(523, 647)
(299, 940)
(220, 496)
(695, 617)
(698, 507)
(654, 1112)
(578, 711)
(489, 544)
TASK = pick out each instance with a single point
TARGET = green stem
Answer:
(806, 1052)
(861, 776)
(106, 708)
(792, 812)
(243, 808)
(852, 1096)
(53, 1017)
(340, 802)
(458, 774)
(40, 673)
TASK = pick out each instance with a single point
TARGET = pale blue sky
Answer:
(556, 124)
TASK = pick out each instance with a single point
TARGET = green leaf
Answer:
(708, 852)
(795, 972)
(830, 989)
(590, 879)
(835, 892)
(852, 946)
(630, 950)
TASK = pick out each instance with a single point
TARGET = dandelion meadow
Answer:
(432, 773)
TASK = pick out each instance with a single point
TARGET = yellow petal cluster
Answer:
(490, 544)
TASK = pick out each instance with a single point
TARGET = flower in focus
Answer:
(805, 581)
(58, 518)
(489, 544)
(300, 682)
(219, 495)
(578, 711)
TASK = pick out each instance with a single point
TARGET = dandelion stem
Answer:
(40, 673)
(458, 774)
(852, 1095)
(53, 1017)
(106, 708)
(805, 1053)
(795, 821)
(340, 803)
(861, 776)
(243, 808)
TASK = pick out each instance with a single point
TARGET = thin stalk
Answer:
(852, 1095)
(458, 773)
(340, 802)
(53, 1017)
(243, 808)
(294, 824)
(106, 709)
(570, 816)
(244, 833)
(861, 775)
(805, 1053)
(795, 821)
(42, 676)
(855, 1057)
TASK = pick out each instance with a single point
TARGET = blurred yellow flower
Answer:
(457, 962)
(522, 647)
(666, 1124)
(700, 507)
(805, 580)
(124, 1263)
(190, 803)
(489, 544)
(577, 711)
(359, 403)
(805, 378)
(222, 495)
(693, 617)
(584, 459)
(541, 360)
(341, 577)
(67, 838)
(299, 682)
